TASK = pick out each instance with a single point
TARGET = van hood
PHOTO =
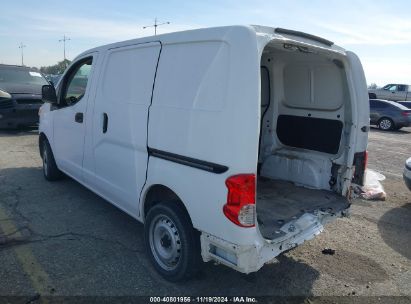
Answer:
(17, 88)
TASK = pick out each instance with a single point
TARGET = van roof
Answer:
(225, 33)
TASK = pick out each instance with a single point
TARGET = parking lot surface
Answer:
(61, 239)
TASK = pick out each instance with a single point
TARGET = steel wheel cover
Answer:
(165, 242)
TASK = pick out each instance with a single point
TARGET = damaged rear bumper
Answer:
(250, 258)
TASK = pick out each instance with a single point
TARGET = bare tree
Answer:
(373, 86)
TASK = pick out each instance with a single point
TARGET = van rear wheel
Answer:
(171, 242)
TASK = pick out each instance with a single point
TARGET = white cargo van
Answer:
(231, 144)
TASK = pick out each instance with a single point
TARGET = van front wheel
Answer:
(171, 242)
(50, 170)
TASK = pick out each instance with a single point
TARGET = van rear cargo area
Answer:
(279, 202)
(303, 164)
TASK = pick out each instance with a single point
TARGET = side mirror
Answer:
(48, 94)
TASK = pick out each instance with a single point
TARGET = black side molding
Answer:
(280, 30)
(188, 161)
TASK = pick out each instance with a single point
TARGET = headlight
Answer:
(4, 95)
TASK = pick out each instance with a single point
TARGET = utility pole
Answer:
(64, 46)
(155, 25)
(22, 46)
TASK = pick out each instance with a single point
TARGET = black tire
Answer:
(372, 96)
(50, 170)
(386, 124)
(171, 242)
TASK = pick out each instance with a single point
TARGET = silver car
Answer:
(389, 115)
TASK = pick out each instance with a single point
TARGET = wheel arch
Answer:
(158, 193)
(386, 117)
(42, 138)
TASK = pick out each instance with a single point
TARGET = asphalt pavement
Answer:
(60, 239)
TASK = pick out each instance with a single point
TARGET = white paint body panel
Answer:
(124, 94)
(205, 104)
(69, 135)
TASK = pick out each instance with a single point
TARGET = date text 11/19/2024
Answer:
(208, 299)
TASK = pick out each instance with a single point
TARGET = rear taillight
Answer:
(406, 113)
(240, 206)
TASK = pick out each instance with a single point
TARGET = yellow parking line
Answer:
(38, 277)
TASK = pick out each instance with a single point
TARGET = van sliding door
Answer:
(120, 123)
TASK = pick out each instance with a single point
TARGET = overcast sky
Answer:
(378, 31)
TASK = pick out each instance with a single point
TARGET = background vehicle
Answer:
(20, 95)
(231, 144)
(54, 79)
(405, 104)
(394, 92)
(407, 173)
(389, 115)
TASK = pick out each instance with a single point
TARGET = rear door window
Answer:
(401, 88)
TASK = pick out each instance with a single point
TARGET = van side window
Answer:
(75, 84)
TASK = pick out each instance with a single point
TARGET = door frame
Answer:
(70, 110)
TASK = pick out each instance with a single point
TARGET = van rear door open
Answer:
(120, 122)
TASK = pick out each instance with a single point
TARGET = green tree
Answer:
(55, 69)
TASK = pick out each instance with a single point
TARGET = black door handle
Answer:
(78, 117)
(105, 122)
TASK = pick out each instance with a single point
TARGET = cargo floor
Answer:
(279, 202)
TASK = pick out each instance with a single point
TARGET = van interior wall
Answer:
(304, 102)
